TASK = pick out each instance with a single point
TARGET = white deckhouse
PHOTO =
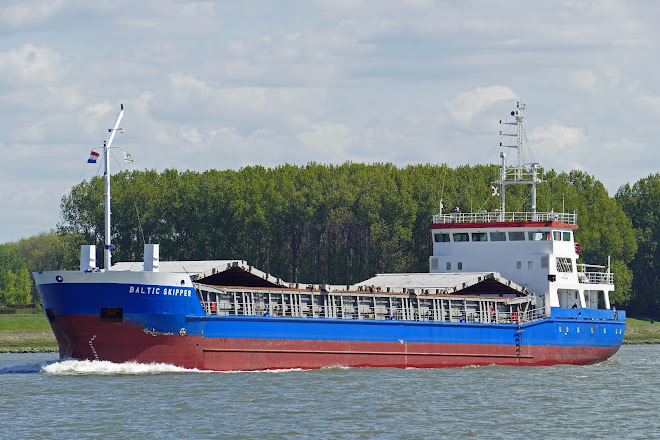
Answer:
(536, 250)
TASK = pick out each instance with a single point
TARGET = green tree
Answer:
(49, 251)
(15, 281)
(641, 202)
(331, 223)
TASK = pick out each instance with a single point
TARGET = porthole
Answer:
(578, 329)
(592, 329)
(560, 329)
(604, 330)
(566, 329)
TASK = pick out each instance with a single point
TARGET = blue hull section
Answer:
(172, 309)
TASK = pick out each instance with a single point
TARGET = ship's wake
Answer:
(72, 367)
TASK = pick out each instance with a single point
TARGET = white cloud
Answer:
(557, 146)
(584, 80)
(328, 141)
(32, 65)
(227, 84)
(556, 137)
(190, 134)
(652, 102)
(170, 17)
(247, 105)
(465, 105)
(20, 13)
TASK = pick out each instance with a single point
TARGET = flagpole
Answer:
(107, 260)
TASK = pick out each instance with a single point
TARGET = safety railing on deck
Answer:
(587, 274)
(457, 315)
(358, 305)
(496, 216)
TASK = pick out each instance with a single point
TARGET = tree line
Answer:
(339, 224)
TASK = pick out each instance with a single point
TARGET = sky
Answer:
(229, 84)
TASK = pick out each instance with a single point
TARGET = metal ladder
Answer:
(519, 339)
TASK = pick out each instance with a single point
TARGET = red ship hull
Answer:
(84, 337)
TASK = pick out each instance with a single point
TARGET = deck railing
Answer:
(599, 276)
(457, 315)
(358, 305)
(496, 216)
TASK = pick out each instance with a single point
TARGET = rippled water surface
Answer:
(42, 397)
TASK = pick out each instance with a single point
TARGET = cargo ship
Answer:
(503, 288)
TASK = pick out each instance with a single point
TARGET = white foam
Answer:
(75, 367)
(281, 370)
(337, 367)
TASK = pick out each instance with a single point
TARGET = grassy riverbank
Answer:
(32, 332)
(642, 331)
(26, 332)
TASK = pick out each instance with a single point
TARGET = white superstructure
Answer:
(536, 250)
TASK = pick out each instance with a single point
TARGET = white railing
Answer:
(523, 174)
(360, 305)
(587, 276)
(496, 216)
(455, 315)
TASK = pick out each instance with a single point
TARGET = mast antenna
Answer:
(518, 174)
(109, 247)
(519, 122)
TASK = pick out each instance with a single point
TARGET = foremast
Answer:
(107, 260)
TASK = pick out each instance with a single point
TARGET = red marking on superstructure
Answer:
(122, 342)
(551, 224)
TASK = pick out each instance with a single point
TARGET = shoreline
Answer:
(29, 350)
(644, 342)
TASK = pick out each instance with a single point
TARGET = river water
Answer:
(42, 397)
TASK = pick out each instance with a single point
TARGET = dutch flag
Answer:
(92, 157)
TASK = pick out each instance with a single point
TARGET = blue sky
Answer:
(226, 84)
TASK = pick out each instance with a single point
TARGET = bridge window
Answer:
(516, 236)
(518, 264)
(539, 236)
(460, 265)
(530, 264)
(567, 236)
(497, 236)
(448, 265)
(564, 265)
(479, 236)
(441, 238)
(556, 235)
(462, 236)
